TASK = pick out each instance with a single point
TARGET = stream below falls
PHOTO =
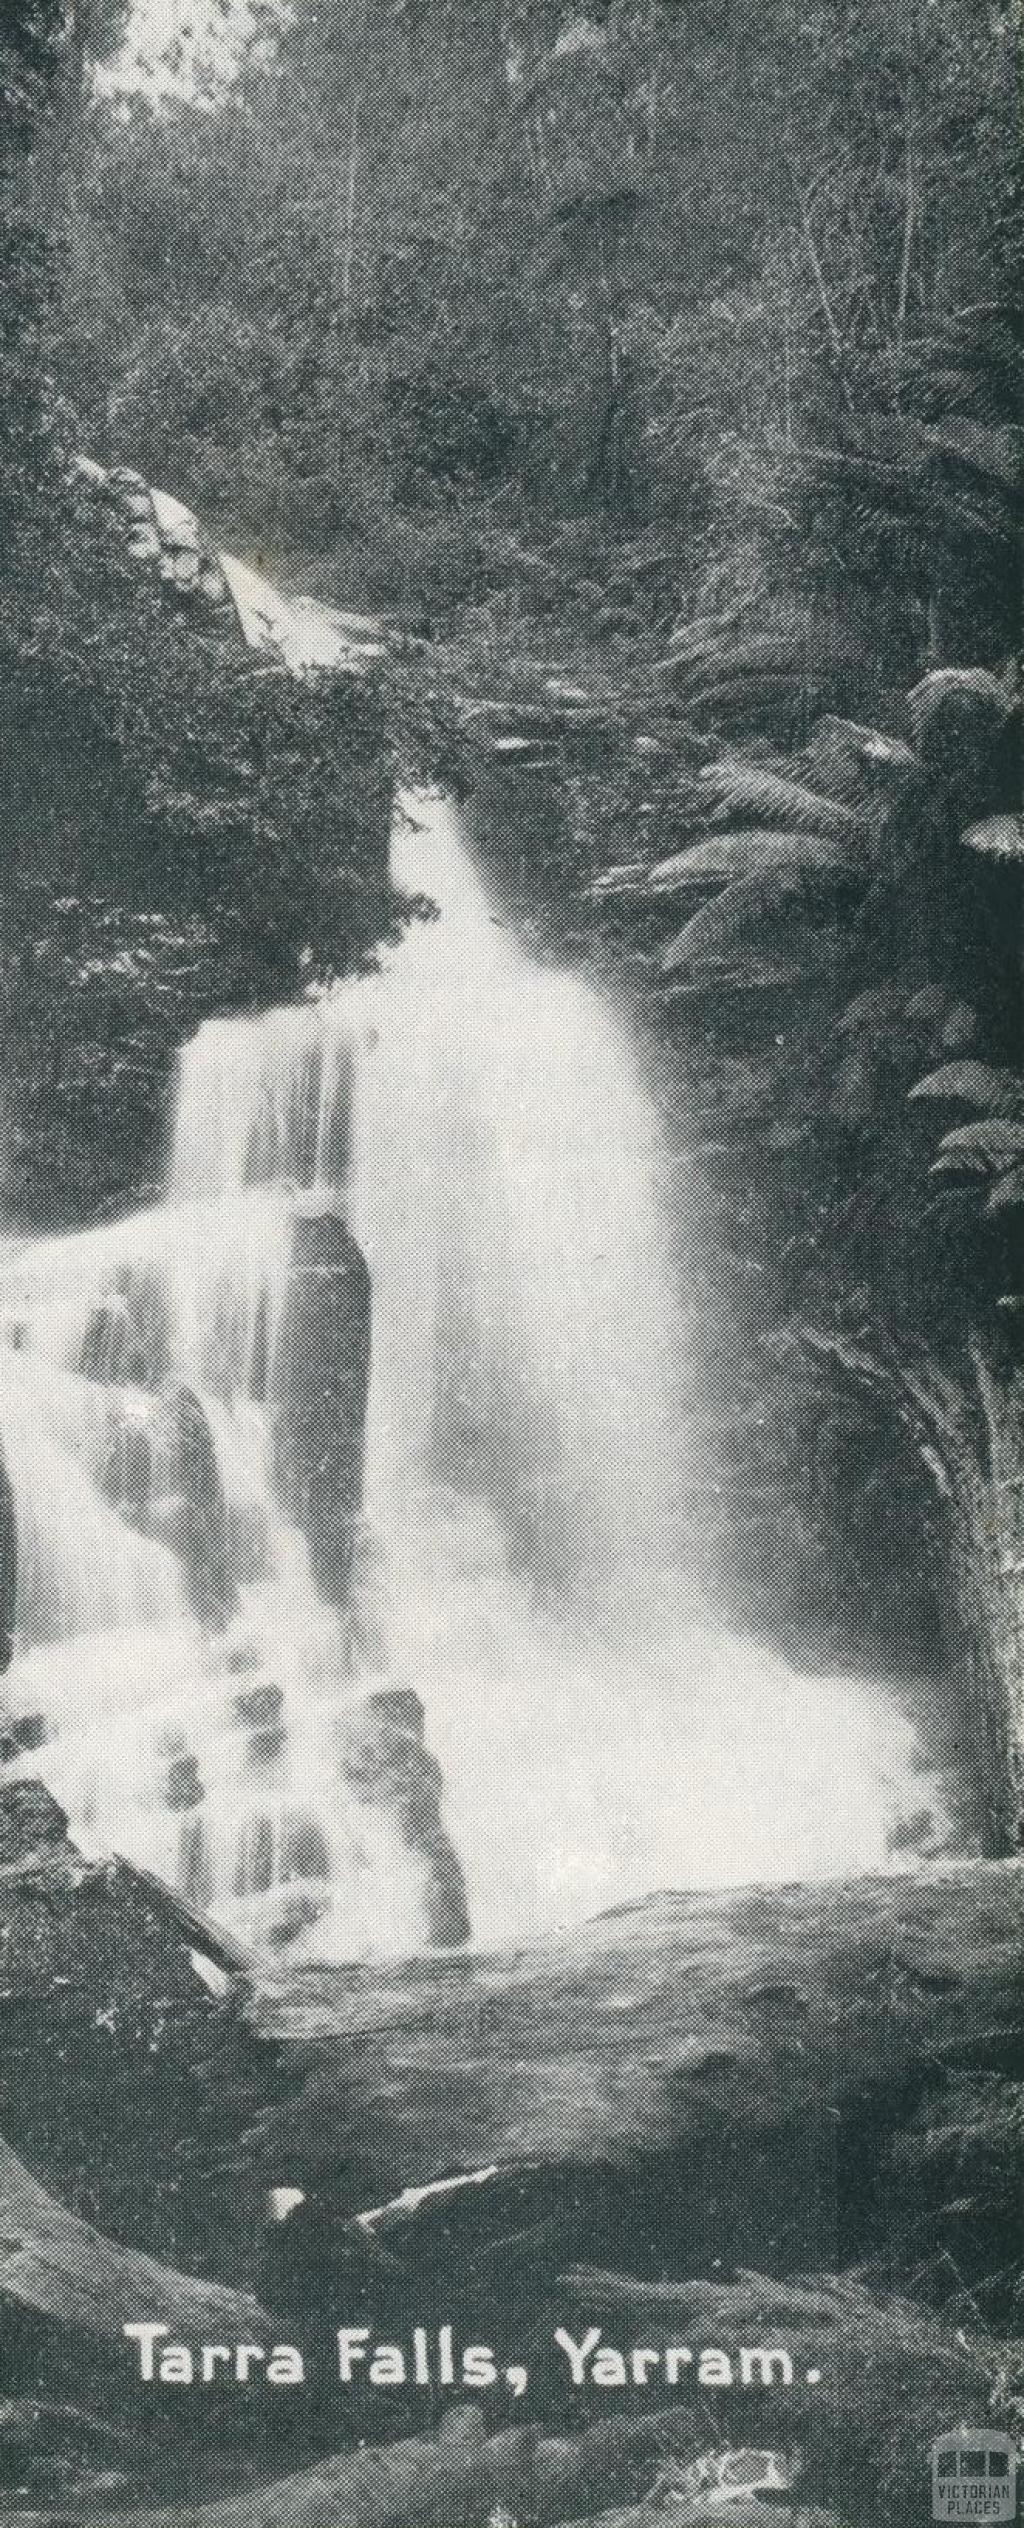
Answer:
(354, 1591)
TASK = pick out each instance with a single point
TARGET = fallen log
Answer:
(455, 2478)
(615, 2037)
(754, 2076)
(62, 2268)
(688, 2087)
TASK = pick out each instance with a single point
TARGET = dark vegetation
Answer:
(184, 830)
(659, 371)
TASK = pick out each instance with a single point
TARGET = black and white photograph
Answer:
(511, 1264)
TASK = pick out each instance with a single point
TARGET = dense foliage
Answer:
(184, 828)
(661, 371)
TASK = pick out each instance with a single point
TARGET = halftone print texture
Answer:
(511, 1185)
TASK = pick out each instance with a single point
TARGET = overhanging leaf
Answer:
(740, 913)
(720, 858)
(997, 1093)
(769, 795)
(981, 1149)
(947, 689)
(1008, 1191)
(1002, 836)
(993, 455)
(871, 746)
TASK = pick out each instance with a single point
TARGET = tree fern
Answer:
(755, 788)
(981, 1149)
(722, 858)
(736, 918)
(1008, 1192)
(1001, 836)
(997, 1094)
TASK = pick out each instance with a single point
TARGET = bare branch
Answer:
(814, 259)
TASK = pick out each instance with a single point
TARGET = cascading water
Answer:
(334, 1686)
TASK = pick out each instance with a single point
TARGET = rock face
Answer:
(32, 1826)
(387, 1764)
(161, 1473)
(321, 1378)
(125, 1340)
(116, 2062)
(192, 1513)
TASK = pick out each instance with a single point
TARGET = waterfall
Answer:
(355, 1584)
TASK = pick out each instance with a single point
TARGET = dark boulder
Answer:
(160, 1472)
(126, 1473)
(387, 1764)
(191, 1513)
(32, 1825)
(125, 1340)
(321, 1378)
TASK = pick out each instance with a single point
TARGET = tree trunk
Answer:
(986, 1521)
(970, 1437)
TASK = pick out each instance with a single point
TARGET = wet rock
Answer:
(195, 1865)
(193, 1513)
(160, 1472)
(125, 1340)
(301, 1908)
(303, 1849)
(127, 1470)
(183, 1788)
(29, 1732)
(387, 1764)
(254, 1867)
(260, 1712)
(259, 1706)
(320, 1389)
(32, 1825)
(265, 1745)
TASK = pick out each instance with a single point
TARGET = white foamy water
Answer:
(477, 1119)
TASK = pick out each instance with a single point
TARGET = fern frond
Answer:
(1008, 1191)
(754, 788)
(753, 693)
(628, 878)
(741, 911)
(982, 1149)
(1001, 836)
(721, 858)
(870, 1011)
(999, 1094)
(946, 688)
(925, 1008)
(993, 455)
(961, 1027)
(870, 746)
(752, 975)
